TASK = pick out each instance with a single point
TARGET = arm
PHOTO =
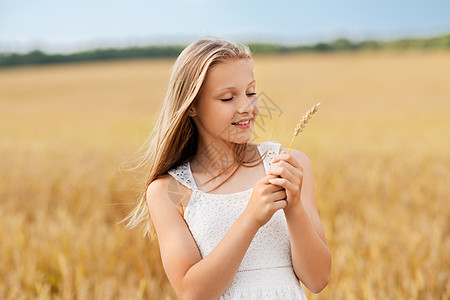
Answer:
(311, 257)
(191, 276)
(210, 278)
(312, 264)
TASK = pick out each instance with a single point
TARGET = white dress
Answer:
(266, 270)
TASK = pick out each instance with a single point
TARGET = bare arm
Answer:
(312, 263)
(191, 276)
(311, 257)
(210, 278)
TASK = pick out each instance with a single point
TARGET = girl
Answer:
(234, 219)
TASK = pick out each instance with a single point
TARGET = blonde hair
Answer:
(173, 140)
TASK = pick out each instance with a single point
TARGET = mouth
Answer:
(242, 124)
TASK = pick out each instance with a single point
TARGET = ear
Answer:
(192, 112)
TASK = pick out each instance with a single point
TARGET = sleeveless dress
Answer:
(266, 271)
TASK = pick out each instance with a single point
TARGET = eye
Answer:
(228, 99)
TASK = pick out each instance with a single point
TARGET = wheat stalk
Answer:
(302, 123)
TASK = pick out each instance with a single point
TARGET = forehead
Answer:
(237, 73)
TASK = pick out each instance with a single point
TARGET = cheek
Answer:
(256, 108)
(214, 111)
(221, 115)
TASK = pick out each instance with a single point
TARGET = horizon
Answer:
(74, 26)
(175, 44)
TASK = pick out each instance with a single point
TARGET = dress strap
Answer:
(273, 149)
(183, 174)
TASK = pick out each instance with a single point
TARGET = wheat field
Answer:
(379, 147)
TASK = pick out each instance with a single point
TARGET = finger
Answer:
(277, 181)
(280, 204)
(288, 158)
(276, 189)
(293, 175)
(282, 182)
(267, 177)
(273, 176)
(283, 169)
(280, 194)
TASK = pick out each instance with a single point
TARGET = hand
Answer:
(290, 177)
(265, 200)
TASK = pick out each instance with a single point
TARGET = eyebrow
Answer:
(232, 87)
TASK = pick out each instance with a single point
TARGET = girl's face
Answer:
(228, 95)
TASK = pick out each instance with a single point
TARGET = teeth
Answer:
(242, 123)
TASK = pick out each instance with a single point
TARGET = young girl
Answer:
(234, 219)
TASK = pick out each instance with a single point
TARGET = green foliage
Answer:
(38, 57)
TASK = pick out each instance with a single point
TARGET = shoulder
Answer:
(172, 232)
(165, 190)
(158, 187)
(161, 181)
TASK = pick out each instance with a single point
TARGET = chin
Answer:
(234, 136)
(242, 140)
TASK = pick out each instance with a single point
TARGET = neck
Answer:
(213, 157)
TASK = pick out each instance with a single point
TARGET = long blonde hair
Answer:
(174, 138)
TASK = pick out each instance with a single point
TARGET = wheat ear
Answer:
(302, 123)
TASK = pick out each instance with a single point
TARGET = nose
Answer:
(246, 104)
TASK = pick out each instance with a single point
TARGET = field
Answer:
(379, 146)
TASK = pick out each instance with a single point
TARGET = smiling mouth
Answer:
(241, 123)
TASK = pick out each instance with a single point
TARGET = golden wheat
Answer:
(63, 137)
(302, 123)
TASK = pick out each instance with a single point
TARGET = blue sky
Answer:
(69, 25)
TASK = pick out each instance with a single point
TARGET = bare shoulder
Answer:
(172, 232)
(177, 193)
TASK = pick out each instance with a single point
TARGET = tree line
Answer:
(38, 57)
